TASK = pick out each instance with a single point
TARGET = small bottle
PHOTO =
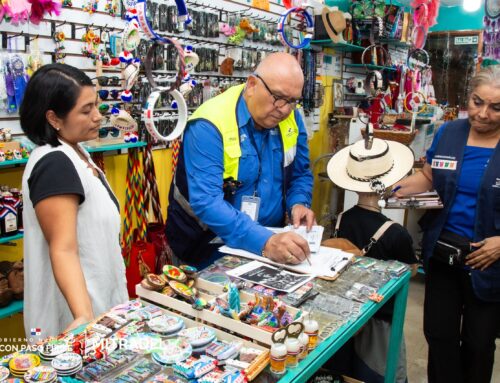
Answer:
(278, 358)
(293, 348)
(304, 345)
(311, 328)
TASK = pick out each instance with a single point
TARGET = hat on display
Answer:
(131, 73)
(334, 22)
(370, 165)
(123, 121)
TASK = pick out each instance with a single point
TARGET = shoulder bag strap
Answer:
(337, 225)
(375, 237)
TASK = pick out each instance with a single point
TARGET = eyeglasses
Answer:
(279, 102)
(104, 132)
(105, 81)
(104, 94)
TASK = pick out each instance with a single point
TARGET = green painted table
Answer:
(320, 355)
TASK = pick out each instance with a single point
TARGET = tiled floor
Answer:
(415, 341)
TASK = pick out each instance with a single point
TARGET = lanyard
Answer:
(265, 136)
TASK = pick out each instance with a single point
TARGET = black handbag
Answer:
(452, 248)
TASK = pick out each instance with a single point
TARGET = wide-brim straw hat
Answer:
(355, 166)
(334, 22)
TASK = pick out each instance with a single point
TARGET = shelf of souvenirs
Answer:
(370, 66)
(105, 148)
(339, 47)
(13, 308)
(90, 149)
(11, 238)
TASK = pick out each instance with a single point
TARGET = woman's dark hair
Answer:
(53, 87)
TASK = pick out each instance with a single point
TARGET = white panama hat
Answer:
(370, 165)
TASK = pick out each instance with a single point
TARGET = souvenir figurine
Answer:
(24, 153)
(7, 134)
(233, 297)
(17, 154)
(9, 155)
(2, 156)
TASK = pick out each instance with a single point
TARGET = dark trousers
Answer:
(460, 329)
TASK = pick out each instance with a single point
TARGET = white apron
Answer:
(98, 232)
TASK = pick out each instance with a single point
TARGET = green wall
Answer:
(449, 18)
(456, 19)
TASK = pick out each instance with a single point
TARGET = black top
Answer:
(55, 174)
(358, 225)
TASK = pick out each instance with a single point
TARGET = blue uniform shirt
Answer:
(203, 155)
(462, 214)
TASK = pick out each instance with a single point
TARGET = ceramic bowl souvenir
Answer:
(166, 324)
(156, 281)
(172, 351)
(182, 290)
(41, 374)
(189, 270)
(147, 285)
(168, 291)
(67, 363)
(53, 348)
(174, 273)
(143, 343)
(4, 373)
(219, 278)
(21, 363)
(198, 336)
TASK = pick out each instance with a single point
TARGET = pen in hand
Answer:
(395, 190)
(308, 259)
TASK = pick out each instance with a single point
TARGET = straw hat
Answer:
(370, 165)
(123, 121)
(334, 22)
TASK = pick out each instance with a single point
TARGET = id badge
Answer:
(250, 206)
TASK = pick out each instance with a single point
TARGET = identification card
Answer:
(250, 205)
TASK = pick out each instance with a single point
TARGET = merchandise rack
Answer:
(14, 308)
(11, 238)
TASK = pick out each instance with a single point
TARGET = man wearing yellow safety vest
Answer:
(244, 163)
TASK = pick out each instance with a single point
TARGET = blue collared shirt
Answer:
(203, 155)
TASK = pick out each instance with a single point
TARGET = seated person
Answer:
(368, 167)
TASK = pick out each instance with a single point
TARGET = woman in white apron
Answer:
(73, 265)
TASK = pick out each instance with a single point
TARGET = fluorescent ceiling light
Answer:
(471, 5)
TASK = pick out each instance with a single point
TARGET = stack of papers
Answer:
(327, 262)
(427, 200)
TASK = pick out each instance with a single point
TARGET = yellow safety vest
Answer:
(227, 124)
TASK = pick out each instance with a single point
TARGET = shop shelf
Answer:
(396, 43)
(14, 308)
(105, 148)
(11, 238)
(339, 47)
(370, 66)
(13, 162)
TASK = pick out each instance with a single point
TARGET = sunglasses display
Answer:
(105, 132)
(108, 81)
(103, 108)
(104, 94)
